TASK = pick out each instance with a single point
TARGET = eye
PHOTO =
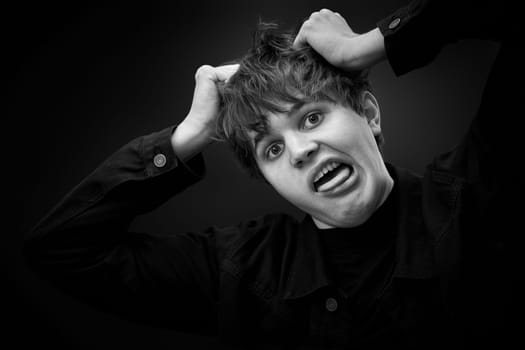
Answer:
(274, 150)
(312, 120)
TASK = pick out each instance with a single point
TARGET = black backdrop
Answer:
(84, 80)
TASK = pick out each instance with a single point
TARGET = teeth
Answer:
(328, 167)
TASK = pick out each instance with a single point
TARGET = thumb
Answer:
(300, 38)
(300, 41)
(224, 73)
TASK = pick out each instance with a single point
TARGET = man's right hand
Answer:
(197, 130)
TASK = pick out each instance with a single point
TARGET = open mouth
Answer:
(332, 175)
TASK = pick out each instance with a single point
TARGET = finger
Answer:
(341, 17)
(300, 38)
(204, 71)
(223, 73)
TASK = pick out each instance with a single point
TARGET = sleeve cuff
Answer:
(414, 35)
(159, 156)
(394, 47)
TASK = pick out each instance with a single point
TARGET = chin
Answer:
(357, 220)
(345, 220)
(361, 205)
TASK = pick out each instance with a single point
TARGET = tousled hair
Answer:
(272, 74)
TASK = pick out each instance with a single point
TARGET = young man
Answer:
(383, 258)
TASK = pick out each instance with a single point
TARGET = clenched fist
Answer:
(329, 34)
(198, 128)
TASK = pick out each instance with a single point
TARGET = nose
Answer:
(301, 150)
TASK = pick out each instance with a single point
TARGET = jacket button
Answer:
(394, 23)
(159, 160)
(331, 304)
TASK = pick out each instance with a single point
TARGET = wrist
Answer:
(375, 46)
(191, 137)
(364, 51)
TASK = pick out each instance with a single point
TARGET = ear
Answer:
(371, 112)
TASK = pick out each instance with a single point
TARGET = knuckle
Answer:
(203, 70)
(306, 25)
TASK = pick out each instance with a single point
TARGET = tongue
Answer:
(334, 178)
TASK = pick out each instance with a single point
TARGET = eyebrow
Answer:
(297, 106)
(260, 135)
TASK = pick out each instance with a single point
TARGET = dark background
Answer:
(84, 80)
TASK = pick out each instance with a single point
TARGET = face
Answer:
(323, 158)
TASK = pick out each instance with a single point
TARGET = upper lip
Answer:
(320, 165)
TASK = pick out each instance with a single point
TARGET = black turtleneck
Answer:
(361, 259)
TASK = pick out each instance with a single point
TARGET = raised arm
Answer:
(84, 245)
(410, 37)
(197, 130)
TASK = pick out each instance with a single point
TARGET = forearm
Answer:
(197, 130)
(416, 33)
(371, 50)
(189, 139)
(85, 248)
(134, 180)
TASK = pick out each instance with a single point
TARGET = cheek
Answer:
(354, 140)
(344, 140)
(283, 181)
(341, 130)
(273, 174)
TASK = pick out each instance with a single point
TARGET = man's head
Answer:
(309, 129)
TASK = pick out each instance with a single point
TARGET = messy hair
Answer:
(273, 74)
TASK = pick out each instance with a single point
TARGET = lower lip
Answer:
(342, 188)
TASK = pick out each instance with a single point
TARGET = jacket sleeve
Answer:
(415, 34)
(486, 157)
(84, 247)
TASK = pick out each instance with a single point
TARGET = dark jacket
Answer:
(457, 261)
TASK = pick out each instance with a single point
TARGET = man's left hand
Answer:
(329, 34)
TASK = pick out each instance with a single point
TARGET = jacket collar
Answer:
(414, 253)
